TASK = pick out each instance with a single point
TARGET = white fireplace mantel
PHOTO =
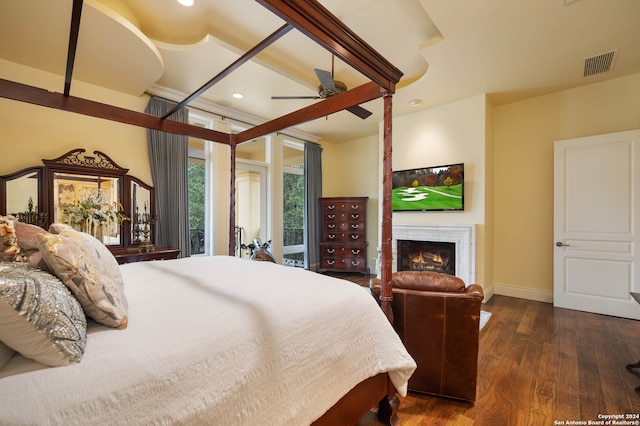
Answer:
(463, 235)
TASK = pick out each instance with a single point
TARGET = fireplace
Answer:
(426, 256)
(460, 238)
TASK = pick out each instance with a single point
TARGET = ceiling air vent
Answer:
(599, 63)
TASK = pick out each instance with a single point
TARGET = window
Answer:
(197, 203)
(293, 205)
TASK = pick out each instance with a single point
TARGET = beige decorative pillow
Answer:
(5, 354)
(39, 317)
(27, 241)
(90, 271)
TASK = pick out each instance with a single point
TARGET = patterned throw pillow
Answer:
(27, 241)
(39, 317)
(18, 242)
(90, 271)
(11, 251)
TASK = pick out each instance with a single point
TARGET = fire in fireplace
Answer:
(426, 256)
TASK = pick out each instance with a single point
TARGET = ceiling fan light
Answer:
(187, 3)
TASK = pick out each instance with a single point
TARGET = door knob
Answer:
(561, 244)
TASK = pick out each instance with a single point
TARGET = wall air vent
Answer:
(600, 63)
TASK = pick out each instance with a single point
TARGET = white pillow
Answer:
(39, 317)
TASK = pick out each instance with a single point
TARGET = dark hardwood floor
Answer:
(539, 365)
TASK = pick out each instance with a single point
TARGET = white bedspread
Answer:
(215, 341)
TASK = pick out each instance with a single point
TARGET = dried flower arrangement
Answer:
(94, 214)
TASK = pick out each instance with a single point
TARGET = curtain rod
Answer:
(223, 117)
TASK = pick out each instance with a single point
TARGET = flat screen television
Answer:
(429, 189)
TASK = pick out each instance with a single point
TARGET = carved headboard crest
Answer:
(78, 158)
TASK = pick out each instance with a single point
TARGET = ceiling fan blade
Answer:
(326, 80)
(296, 97)
(359, 111)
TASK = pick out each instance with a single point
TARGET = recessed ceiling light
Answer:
(186, 2)
(415, 102)
(238, 95)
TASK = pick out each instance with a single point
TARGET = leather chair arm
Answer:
(474, 290)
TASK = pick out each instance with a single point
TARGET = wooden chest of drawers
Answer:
(343, 246)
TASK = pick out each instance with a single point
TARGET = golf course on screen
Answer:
(429, 188)
(427, 198)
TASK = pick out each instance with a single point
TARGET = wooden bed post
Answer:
(388, 407)
(232, 197)
(386, 293)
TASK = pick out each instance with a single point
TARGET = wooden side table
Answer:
(133, 255)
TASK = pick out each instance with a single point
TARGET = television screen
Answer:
(429, 188)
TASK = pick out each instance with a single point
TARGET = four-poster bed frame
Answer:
(316, 22)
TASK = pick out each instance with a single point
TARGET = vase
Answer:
(93, 229)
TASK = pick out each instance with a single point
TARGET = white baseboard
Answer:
(488, 293)
(523, 293)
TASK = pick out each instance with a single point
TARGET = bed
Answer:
(378, 382)
(214, 340)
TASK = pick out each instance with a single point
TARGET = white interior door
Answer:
(595, 226)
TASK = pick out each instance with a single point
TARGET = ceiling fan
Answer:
(329, 87)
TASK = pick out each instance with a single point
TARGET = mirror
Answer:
(88, 193)
(74, 182)
(20, 191)
(90, 204)
(23, 195)
(142, 214)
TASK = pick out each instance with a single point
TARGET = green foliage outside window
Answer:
(293, 189)
(196, 196)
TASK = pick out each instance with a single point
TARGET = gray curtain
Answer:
(168, 158)
(312, 192)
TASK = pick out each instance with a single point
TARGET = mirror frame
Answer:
(127, 228)
(99, 165)
(76, 162)
(41, 197)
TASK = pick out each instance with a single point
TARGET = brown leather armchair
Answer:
(438, 317)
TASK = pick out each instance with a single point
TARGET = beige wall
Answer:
(31, 133)
(425, 138)
(507, 151)
(451, 133)
(486, 254)
(524, 134)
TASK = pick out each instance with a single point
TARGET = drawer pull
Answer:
(331, 216)
(331, 225)
(355, 237)
(331, 250)
(355, 207)
(355, 263)
(332, 236)
(331, 207)
(355, 216)
(355, 226)
(331, 262)
(355, 251)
